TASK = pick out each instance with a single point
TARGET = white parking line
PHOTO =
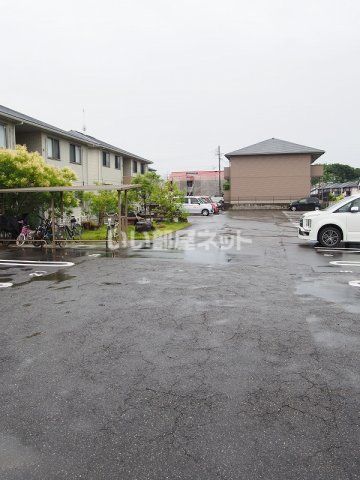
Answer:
(332, 250)
(291, 216)
(39, 273)
(35, 263)
(345, 263)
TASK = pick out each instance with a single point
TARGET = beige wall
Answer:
(128, 169)
(110, 174)
(91, 169)
(80, 170)
(93, 165)
(262, 177)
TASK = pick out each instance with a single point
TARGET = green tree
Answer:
(169, 201)
(20, 168)
(102, 202)
(164, 197)
(149, 184)
(338, 172)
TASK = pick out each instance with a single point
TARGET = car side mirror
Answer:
(354, 209)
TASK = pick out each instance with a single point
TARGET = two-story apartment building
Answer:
(271, 170)
(93, 160)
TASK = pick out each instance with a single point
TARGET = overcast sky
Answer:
(172, 79)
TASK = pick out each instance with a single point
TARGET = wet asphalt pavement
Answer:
(183, 360)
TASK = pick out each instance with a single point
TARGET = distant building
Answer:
(347, 188)
(198, 182)
(270, 171)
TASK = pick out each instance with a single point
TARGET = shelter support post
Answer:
(119, 218)
(126, 211)
(53, 221)
(62, 206)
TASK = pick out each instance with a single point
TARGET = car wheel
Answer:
(330, 237)
(293, 209)
(205, 212)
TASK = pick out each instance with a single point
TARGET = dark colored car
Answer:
(309, 203)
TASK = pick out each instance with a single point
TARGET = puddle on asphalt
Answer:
(41, 276)
(337, 292)
(197, 255)
(5, 278)
(57, 277)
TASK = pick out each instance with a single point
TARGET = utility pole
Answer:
(219, 156)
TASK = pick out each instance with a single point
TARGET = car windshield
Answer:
(337, 205)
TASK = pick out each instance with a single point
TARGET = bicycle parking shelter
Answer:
(123, 219)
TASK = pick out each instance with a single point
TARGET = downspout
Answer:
(82, 158)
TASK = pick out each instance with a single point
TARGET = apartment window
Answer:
(189, 183)
(143, 168)
(135, 166)
(106, 159)
(2, 136)
(53, 148)
(75, 154)
(117, 162)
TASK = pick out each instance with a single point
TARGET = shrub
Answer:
(20, 168)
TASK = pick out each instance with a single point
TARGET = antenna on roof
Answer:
(84, 123)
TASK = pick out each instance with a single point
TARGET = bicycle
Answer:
(43, 234)
(74, 232)
(113, 240)
(26, 234)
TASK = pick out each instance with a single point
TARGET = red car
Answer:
(213, 204)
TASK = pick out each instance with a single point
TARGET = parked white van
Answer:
(196, 205)
(338, 223)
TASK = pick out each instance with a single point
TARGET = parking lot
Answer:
(229, 350)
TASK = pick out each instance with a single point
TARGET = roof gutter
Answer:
(56, 131)
(67, 135)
